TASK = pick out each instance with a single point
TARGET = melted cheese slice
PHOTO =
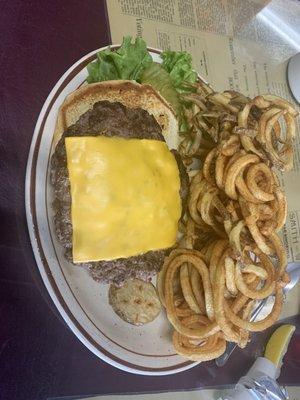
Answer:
(125, 196)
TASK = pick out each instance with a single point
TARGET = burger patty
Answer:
(108, 119)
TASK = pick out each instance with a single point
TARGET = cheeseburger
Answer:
(119, 184)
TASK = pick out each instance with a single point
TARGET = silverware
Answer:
(294, 271)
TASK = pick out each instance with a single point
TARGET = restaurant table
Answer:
(40, 357)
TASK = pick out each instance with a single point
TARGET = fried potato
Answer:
(236, 208)
(135, 302)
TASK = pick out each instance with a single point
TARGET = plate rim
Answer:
(40, 258)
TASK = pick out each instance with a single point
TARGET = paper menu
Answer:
(236, 44)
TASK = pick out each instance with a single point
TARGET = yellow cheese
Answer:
(125, 196)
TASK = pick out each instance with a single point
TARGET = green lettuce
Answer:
(128, 62)
(132, 61)
(179, 66)
(156, 76)
(170, 79)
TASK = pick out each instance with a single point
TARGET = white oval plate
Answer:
(82, 302)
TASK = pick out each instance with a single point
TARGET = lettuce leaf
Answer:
(156, 76)
(128, 62)
(179, 66)
(132, 61)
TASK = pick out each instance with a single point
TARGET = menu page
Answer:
(241, 45)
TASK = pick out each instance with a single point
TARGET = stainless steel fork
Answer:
(294, 271)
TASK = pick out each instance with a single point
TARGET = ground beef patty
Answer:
(108, 119)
